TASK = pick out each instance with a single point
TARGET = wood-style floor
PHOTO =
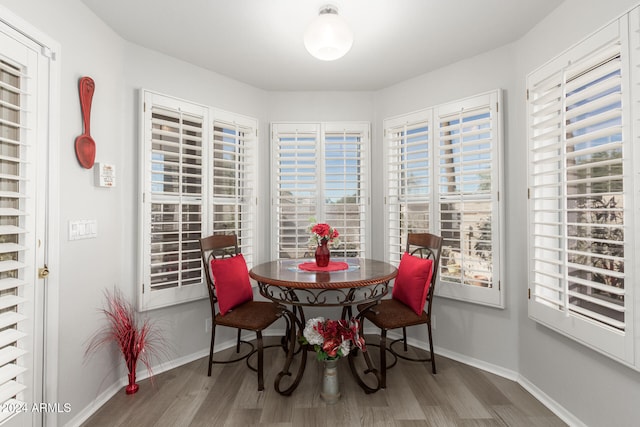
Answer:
(458, 395)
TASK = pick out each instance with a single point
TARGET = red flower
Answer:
(322, 230)
(331, 346)
(337, 337)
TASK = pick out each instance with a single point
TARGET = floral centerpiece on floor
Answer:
(332, 339)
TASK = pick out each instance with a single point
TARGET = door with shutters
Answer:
(24, 89)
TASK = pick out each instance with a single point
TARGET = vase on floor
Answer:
(132, 387)
(323, 254)
(330, 387)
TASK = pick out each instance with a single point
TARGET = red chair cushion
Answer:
(231, 280)
(413, 281)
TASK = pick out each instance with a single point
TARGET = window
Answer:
(581, 198)
(198, 179)
(444, 177)
(322, 172)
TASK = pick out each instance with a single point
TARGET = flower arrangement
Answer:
(332, 339)
(136, 342)
(322, 232)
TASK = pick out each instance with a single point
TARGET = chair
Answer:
(243, 313)
(389, 314)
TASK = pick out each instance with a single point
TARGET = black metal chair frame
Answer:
(424, 245)
(217, 247)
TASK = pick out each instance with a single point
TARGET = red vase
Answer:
(322, 254)
(132, 387)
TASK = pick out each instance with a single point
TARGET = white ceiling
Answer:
(259, 42)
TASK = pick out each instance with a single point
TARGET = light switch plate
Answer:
(83, 229)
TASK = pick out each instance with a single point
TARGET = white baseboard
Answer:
(551, 404)
(117, 387)
(103, 398)
(477, 363)
(547, 401)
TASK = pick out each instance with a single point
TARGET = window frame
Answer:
(492, 102)
(149, 298)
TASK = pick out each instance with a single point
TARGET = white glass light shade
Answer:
(328, 37)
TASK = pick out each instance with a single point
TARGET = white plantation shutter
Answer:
(321, 172)
(468, 139)
(580, 181)
(408, 179)
(346, 186)
(631, 163)
(18, 87)
(174, 135)
(595, 188)
(176, 198)
(545, 188)
(296, 171)
(233, 182)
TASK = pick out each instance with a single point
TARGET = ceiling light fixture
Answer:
(328, 37)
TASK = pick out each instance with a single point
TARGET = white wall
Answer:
(310, 107)
(588, 386)
(88, 267)
(487, 334)
(596, 389)
(593, 388)
(153, 71)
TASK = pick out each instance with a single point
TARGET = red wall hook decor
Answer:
(85, 145)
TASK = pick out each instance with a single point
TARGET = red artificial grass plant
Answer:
(136, 342)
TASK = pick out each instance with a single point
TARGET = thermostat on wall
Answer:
(105, 175)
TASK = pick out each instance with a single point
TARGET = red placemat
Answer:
(333, 266)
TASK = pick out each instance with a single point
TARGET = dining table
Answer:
(299, 283)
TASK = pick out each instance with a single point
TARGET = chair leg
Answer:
(238, 341)
(260, 361)
(404, 339)
(213, 338)
(383, 358)
(433, 356)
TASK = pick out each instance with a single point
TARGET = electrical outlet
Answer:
(207, 325)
